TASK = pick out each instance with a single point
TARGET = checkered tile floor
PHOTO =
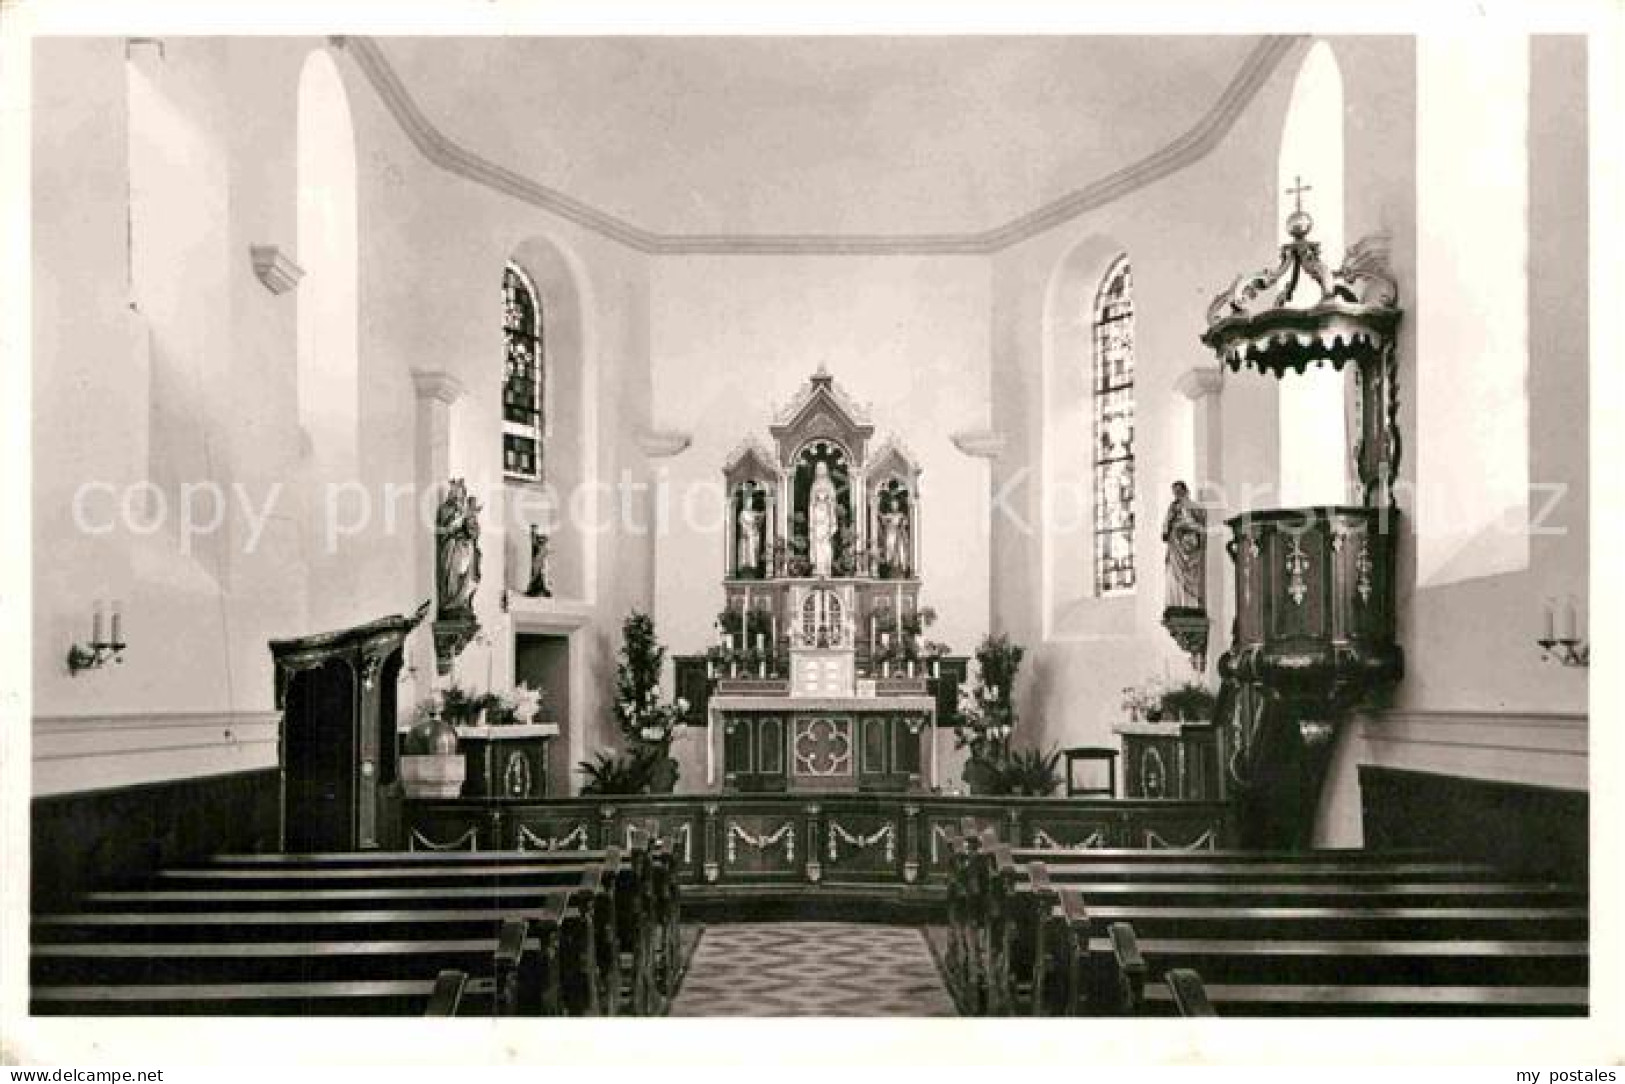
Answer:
(811, 969)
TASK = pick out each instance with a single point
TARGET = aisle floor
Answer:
(811, 969)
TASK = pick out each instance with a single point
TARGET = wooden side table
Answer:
(1091, 754)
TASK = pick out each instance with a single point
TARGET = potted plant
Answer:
(1030, 773)
(615, 773)
(647, 722)
(1191, 702)
(987, 713)
(529, 704)
(1143, 702)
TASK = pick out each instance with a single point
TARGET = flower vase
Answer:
(663, 773)
(980, 775)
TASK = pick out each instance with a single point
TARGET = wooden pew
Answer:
(526, 977)
(647, 906)
(1054, 938)
(247, 978)
(584, 953)
(447, 996)
(1348, 977)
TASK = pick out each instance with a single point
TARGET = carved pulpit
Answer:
(1314, 629)
(820, 679)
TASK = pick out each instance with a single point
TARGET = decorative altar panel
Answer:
(810, 745)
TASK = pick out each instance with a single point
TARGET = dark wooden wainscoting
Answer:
(120, 835)
(1538, 831)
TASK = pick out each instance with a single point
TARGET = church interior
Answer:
(810, 526)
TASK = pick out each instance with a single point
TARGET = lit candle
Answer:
(118, 621)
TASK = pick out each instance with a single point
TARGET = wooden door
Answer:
(319, 750)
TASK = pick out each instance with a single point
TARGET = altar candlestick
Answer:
(96, 624)
(1571, 620)
(1551, 621)
(118, 621)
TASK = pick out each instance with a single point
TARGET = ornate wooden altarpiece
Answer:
(1314, 629)
(819, 680)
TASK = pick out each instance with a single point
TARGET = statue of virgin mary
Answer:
(822, 521)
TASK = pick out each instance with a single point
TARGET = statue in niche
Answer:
(823, 521)
(748, 547)
(893, 536)
(541, 572)
(457, 531)
(1184, 533)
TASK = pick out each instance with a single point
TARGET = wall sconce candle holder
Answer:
(98, 651)
(1570, 648)
(1567, 651)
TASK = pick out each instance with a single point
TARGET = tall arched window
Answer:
(1113, 396)
(522, 378)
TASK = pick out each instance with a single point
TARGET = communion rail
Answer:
(804, 843)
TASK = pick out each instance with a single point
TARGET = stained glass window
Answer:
(522, 378)
(1113, 454)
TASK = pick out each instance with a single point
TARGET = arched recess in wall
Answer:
(560, 502)
(1313, 442)
(1071, 606)
(329, 388)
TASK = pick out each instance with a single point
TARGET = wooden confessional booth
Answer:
(341, 789)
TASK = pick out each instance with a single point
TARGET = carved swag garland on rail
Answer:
(786, 840)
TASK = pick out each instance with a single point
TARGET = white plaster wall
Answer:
(219, 350)
(1187, 236)
(1476, 700)
(734, 337)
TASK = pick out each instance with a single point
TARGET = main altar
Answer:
(821, 679)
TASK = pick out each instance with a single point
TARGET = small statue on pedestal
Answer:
(1184, 532)
(822, 521)
(894, 538)
(748, 551)
(541, 576)
(457, 531)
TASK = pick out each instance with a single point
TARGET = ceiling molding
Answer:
(1195, 144)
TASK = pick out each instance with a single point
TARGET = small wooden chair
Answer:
(1091, 753)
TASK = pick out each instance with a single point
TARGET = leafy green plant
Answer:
(1030, 773)
(1191, 702)
(616, 773)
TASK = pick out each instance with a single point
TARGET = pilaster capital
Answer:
(1200, 381)
(437, 384)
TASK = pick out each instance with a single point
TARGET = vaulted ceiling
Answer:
(748, 136)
